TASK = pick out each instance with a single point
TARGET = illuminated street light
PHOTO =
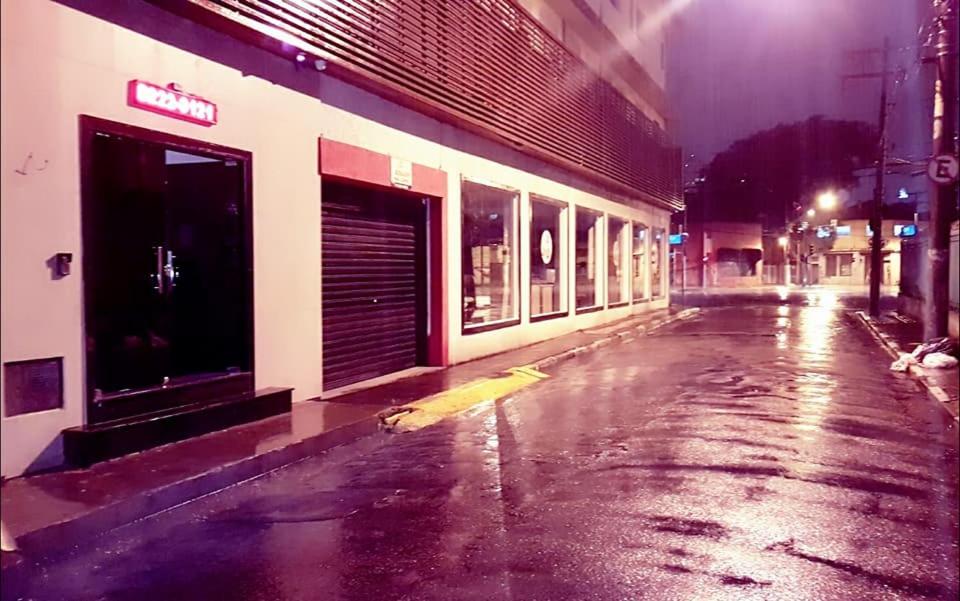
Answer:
(811, 212)
(827, 200)
(782, 240)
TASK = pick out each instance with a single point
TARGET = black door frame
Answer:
(176, 394)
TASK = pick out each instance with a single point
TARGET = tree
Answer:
(768, 175)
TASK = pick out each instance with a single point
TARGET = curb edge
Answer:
(934, 392)
(60, 537)
(623, 335)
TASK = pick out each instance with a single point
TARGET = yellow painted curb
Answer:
(434, 408)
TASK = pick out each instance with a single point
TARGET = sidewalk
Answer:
(900, 334)
(840, 289)
(53, 511)
(856, 297)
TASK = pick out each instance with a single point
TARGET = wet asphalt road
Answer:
(748, 453)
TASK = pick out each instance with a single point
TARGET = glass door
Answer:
(165, 269)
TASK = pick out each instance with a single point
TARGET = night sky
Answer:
(741, 66)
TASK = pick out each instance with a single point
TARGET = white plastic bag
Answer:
(937, 345)
(7, 542)
(903, 363)
(939, 361)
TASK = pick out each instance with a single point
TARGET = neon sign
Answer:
(170, 102)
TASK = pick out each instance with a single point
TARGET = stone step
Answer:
(89, 444)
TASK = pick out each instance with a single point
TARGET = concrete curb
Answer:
(459, 400)
(625, 335)
(935, 392)
(62, 536)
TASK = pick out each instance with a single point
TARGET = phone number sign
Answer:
(170, 102)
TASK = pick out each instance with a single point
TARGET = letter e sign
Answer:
(943, 169)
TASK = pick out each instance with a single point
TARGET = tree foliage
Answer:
(765, 176)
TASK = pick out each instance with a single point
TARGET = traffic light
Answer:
(811, 249)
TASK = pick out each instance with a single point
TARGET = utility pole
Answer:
(942, 196)
(876, 213)
(876, 216)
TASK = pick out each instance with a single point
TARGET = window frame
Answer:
(599, 254)
(467, 329)
(654, 231)
(626, 282)
(836, 260)
(644, 297)
(830, 261)
(845, 260)
(559, 251)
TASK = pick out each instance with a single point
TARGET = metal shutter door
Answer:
(370, 284)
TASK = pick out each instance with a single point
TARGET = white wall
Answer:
(643, 39)
(80, 66)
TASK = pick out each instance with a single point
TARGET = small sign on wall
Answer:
(401, 173)
(171, 102)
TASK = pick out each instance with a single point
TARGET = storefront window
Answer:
(839, 265)
(656, 263)
(639, 261)
(617, 290)
(546, 267)
(489, 248)
(589, 251)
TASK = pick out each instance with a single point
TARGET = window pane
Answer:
(546, 274)
(489, 250)
(588, 264)
(639, 261)
(656, 263)
(831, 266)
(616, 266)
(846, 263)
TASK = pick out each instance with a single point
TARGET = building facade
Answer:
(846, 261)
(719, 254)
(205, 199)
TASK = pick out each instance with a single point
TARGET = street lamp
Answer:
(811, 213)
(782, 240)
(827, 200)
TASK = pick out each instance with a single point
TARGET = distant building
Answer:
(719, 254)
(847, 261)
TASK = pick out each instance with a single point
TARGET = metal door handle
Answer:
(158, 275)
(170, 271)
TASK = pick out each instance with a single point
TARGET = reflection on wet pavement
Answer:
(751, 453)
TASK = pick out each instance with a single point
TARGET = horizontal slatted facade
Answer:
(485, 63)
(372, 285)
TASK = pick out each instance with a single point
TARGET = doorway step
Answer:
(91, 443)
